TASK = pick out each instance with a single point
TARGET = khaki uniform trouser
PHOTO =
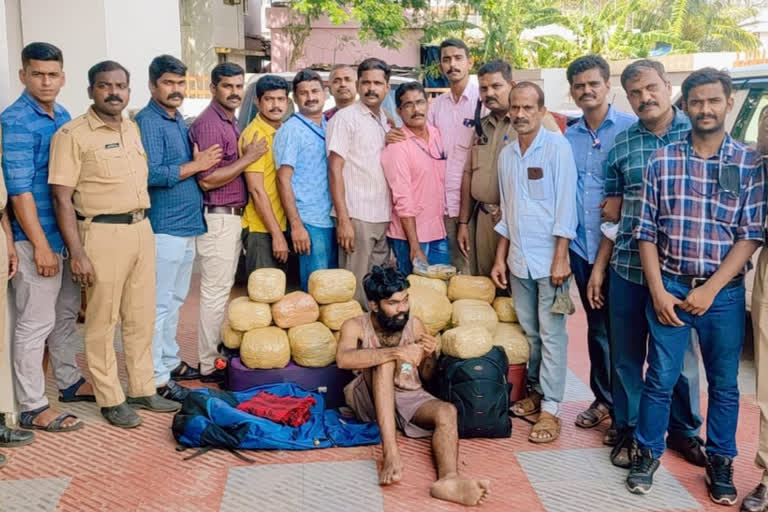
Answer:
(760, 334)
(371, 248)
(457, 259)
(123, 258)
(483, 241)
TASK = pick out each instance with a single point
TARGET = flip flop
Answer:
(70, 394)
(27, 418)
(546, 423)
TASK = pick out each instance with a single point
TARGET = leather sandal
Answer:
(546, 423)
(185, 372)
(70, 394)
(27, 418)
(527, 406)
(593, 416)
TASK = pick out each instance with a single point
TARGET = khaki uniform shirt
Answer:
(484, 155)
(106, 167)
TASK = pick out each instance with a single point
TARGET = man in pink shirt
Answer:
(415, 172)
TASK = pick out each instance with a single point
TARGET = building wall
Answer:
(330, 44)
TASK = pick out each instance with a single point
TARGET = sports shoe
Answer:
(720, 479)
(640, 478)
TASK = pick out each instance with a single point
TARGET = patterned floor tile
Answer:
(39, 494)
(576, 390)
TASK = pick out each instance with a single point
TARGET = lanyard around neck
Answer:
(312, 128)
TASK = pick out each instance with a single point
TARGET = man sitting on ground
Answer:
(393, 353)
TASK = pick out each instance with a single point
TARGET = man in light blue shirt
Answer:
(591, 138)
(302, 178)
(537, 184)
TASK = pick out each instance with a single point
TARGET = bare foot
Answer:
(391, 469)
(459, 489)
(47, 416)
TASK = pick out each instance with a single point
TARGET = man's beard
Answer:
(391, 324)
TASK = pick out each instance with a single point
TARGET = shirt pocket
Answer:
(721, 206)
(539, 186)
(113, 162)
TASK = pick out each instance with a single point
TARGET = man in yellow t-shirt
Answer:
(264, 218)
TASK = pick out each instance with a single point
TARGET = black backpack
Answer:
(478, 388)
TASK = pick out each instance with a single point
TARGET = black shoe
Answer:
(757, 500)
(173, 391)
(691, 448)
(10, 437)
(640, 477)
(154, 403)
(621, 453)
(720, 480)
(121, 416)
(3, 460)
(215, 377)
(185, 372)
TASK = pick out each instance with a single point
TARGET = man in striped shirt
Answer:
(701, 219)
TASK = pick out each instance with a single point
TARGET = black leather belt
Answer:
(484, 207)
(696, 281)
(230, 210)
(118, 218)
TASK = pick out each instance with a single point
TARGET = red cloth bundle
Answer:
(288, 410)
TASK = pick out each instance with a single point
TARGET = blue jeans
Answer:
(597, 333)
(721, 336)
(629, 340)
(547, 337)
(175, 256)
(323, 253)
(436, 251)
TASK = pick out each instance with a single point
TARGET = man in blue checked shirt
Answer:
(176, 214)
(47, 301)
(302, 178)
(701, 219)
(660, 123)
(591, 138)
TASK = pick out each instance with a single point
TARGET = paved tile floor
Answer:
(101, 468)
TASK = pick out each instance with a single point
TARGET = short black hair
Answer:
(270, 83)
(404, 88)
(530, 85)
(225, 69)
(586, 63)
(383, 282)
(165, 64)
(41, 51)
(706, 76)
(371, 64)
(496, 66)
(453, 43)
(637, 67)
(306, 75)
(105, 66)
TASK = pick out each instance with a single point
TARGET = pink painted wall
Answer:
(335, 44)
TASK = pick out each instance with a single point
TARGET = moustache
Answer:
(311, 103)
(453, 70)
(520, 121)
(112, 97)
(643, 106)
(371, 95)
(417, 116)
(701, 117)
(233, 97)
(275, 111)
(175, 95)
(585, 96)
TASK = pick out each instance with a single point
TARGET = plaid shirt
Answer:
(690, 216)
(624, 171)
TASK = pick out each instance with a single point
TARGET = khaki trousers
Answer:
(457, 259)
(123, 258)
(760, 333)
(371, 248)
(484, 241)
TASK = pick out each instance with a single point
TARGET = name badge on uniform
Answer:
(469, 123)
(535, 173)
(112, 146)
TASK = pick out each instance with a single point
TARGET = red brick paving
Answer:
(140, 470)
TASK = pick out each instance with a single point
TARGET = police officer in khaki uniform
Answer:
(480, 211)
(8, 265)
(98, 173)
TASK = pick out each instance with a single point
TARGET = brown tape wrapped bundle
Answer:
(231, 338)
(265, 348)
(512, 339)
(433, 284)
(432, 308)
(296, 308)
(266, 285)
(505, 309)
(245, 314)
(471, 287)
(474, 312)
(312, 345)
(330, 286)
(466, 342)
(333, 315)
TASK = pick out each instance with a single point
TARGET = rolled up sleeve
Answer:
(394, 162)
(646, 229)
(566, 176)
(18, 158)
(160, 174)
(752, 220)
